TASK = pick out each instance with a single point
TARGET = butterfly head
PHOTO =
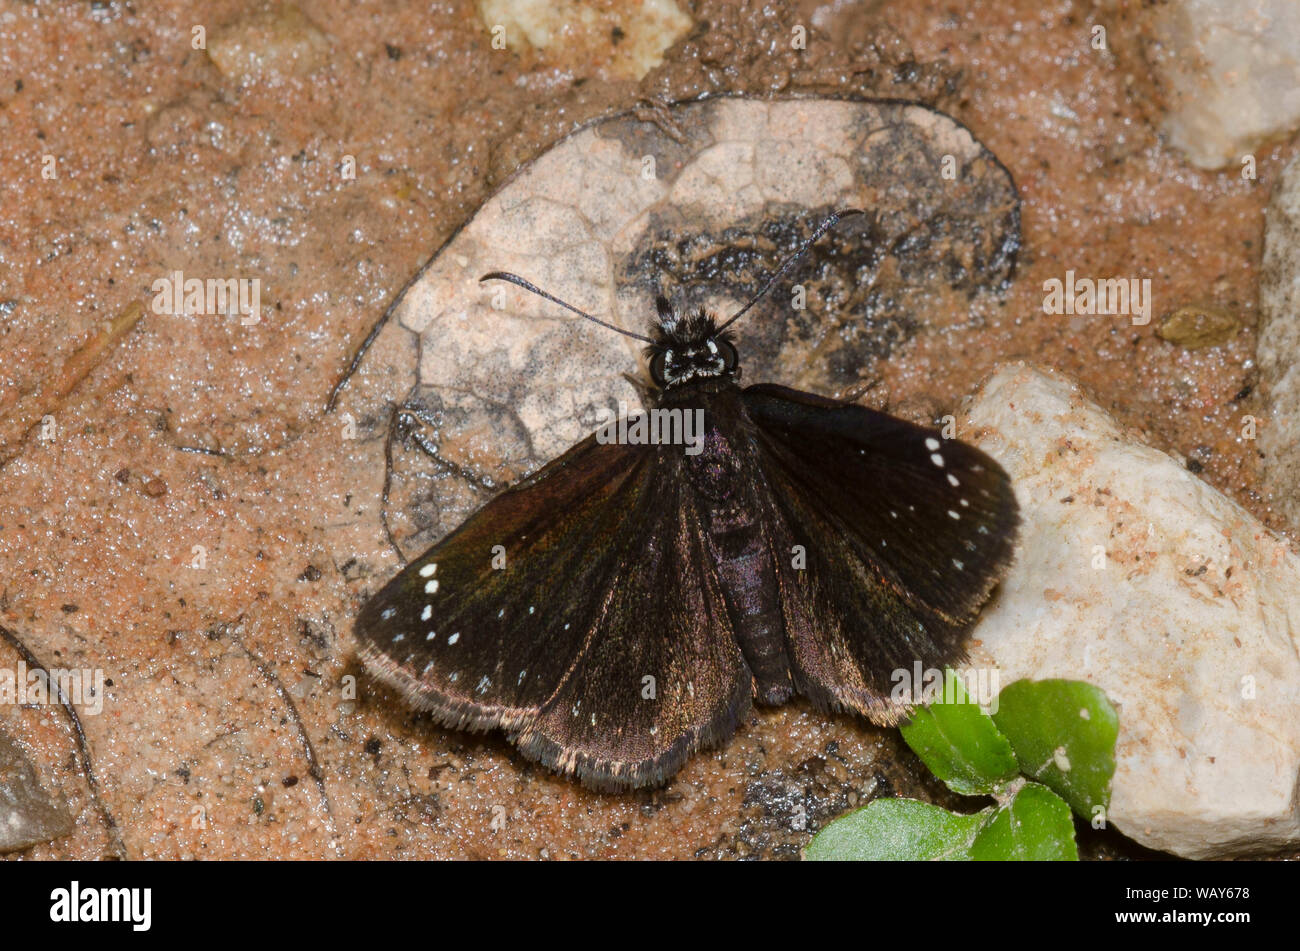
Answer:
(689, 347)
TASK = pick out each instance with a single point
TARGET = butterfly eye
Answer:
(728, 353)
(658, 367)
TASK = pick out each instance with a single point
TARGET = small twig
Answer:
(204, 451)
(395, 420)
(47, 398)
(359, 354)
(655, 110)
(313, 765)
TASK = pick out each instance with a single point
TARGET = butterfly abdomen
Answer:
(723, 474)
(744, 565)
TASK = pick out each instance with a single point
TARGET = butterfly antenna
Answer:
(529, 286)
(789, 262)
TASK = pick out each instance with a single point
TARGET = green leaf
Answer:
(960, 743)
(1036, 826)
(897, 830)
(1063, 732)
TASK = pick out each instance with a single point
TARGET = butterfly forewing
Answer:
(482, 628)
(901, 536)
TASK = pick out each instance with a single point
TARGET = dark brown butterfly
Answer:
(624, 606)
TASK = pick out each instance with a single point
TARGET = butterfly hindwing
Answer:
(888, 540)
(604, 607)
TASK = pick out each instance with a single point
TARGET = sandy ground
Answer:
(230, 727)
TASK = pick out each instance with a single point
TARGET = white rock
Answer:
(268, 43)
(1190, 627)
(646, 29)
(1228, 73)
(1279, 343)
